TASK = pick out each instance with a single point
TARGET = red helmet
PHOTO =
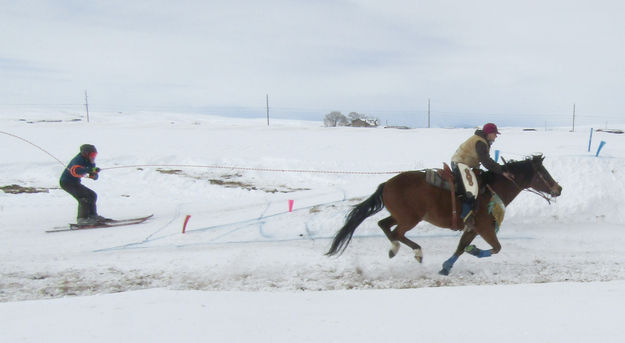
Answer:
(490, 128)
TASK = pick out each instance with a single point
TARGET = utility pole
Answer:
(428, 113)
(267, 109)
(87, 105)
(573, 130)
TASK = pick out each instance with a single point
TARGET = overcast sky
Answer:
(476, 60)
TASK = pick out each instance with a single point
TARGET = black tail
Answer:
(360, 212)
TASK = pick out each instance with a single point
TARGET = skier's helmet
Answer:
(88, 150)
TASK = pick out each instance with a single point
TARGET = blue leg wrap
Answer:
(473, 250)
(447, 265)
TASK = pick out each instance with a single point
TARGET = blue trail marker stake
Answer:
(590, 139)
(600, 146)
(496, 155)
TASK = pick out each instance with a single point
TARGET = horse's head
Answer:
(542, 180)
(532, 175)
(529, 174)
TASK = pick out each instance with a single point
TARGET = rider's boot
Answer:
(467, 214)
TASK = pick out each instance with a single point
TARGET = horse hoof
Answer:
(394, 249)
(447, 265)
(418, 254)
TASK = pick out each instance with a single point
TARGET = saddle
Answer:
(444, 178)
(441, 178)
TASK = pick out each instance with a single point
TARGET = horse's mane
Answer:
(522, 167)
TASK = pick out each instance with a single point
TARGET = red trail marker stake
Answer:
(291, 205)
(184, 226)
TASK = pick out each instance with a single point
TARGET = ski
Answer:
(119, 221)
(110, 223)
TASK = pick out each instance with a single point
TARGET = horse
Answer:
(410, 199)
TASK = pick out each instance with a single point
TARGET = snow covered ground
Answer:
(247, 268)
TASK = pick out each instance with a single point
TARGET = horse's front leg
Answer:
(465, 240)
(490, 236)
(477, 252)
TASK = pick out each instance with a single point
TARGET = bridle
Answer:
(542, 178)
(548, 198)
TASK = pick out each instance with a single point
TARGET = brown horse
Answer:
(410, 199)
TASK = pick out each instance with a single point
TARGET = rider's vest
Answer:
(467, 154)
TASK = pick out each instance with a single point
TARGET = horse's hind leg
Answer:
(400, 235)
(386, 224)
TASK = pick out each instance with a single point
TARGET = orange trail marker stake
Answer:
(184, 226)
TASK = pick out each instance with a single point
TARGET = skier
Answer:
(80, 166)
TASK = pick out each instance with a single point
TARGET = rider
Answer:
(473, 152)
(80, 166)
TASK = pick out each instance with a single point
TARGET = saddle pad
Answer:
(433, 178)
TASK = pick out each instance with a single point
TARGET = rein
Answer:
(540, 194)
